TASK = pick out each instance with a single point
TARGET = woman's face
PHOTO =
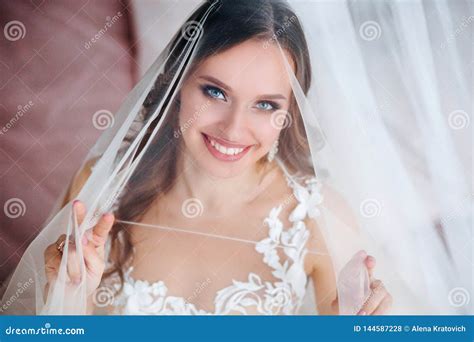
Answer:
(232, 106)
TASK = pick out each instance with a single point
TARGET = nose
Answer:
(234, 125)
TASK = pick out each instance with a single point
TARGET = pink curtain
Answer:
(62, 63)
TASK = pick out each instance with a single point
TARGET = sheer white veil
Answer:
(393, 97)
(388, 122)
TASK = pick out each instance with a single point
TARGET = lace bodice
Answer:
(251, 295)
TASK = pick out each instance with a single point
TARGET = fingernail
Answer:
(108, 216)
(75, 202)
(362, 313)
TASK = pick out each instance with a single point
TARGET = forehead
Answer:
(252, 66)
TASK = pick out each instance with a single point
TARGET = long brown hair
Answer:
(231, 23)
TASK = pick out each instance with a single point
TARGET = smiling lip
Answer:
(222, 156)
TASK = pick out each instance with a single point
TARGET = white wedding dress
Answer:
(252, 295)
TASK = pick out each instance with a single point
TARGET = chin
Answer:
(222, 170)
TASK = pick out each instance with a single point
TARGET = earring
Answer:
(273, 151)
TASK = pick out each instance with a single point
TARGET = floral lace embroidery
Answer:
(283, 296)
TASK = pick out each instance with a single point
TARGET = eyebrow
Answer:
(226, 87)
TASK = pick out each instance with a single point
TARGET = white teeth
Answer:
(222, 149)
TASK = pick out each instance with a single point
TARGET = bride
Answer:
(238, 164)
(218, 190)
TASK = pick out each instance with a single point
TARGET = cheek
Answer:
(200, 113)
(193, 111)
(209, 114)
(263, 130)
(199, 118)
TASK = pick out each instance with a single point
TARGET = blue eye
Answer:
(213, 92)
(267, 106)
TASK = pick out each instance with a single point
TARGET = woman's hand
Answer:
(93, 247)
(379, 301)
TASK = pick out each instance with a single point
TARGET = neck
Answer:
(218, 195)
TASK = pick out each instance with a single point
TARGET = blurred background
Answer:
(65, 67)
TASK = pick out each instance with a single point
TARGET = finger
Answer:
(52, 249)
(73, 264)
(361, 254)
(376, 296)
(370, 263)
(94, 262)
(79, 210)
(51, 252)
(52, 260)
(101, 230)
(384, 306)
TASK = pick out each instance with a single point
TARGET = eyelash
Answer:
(206, 89)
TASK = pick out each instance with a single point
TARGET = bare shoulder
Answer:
(334, 204)
(78, 181)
